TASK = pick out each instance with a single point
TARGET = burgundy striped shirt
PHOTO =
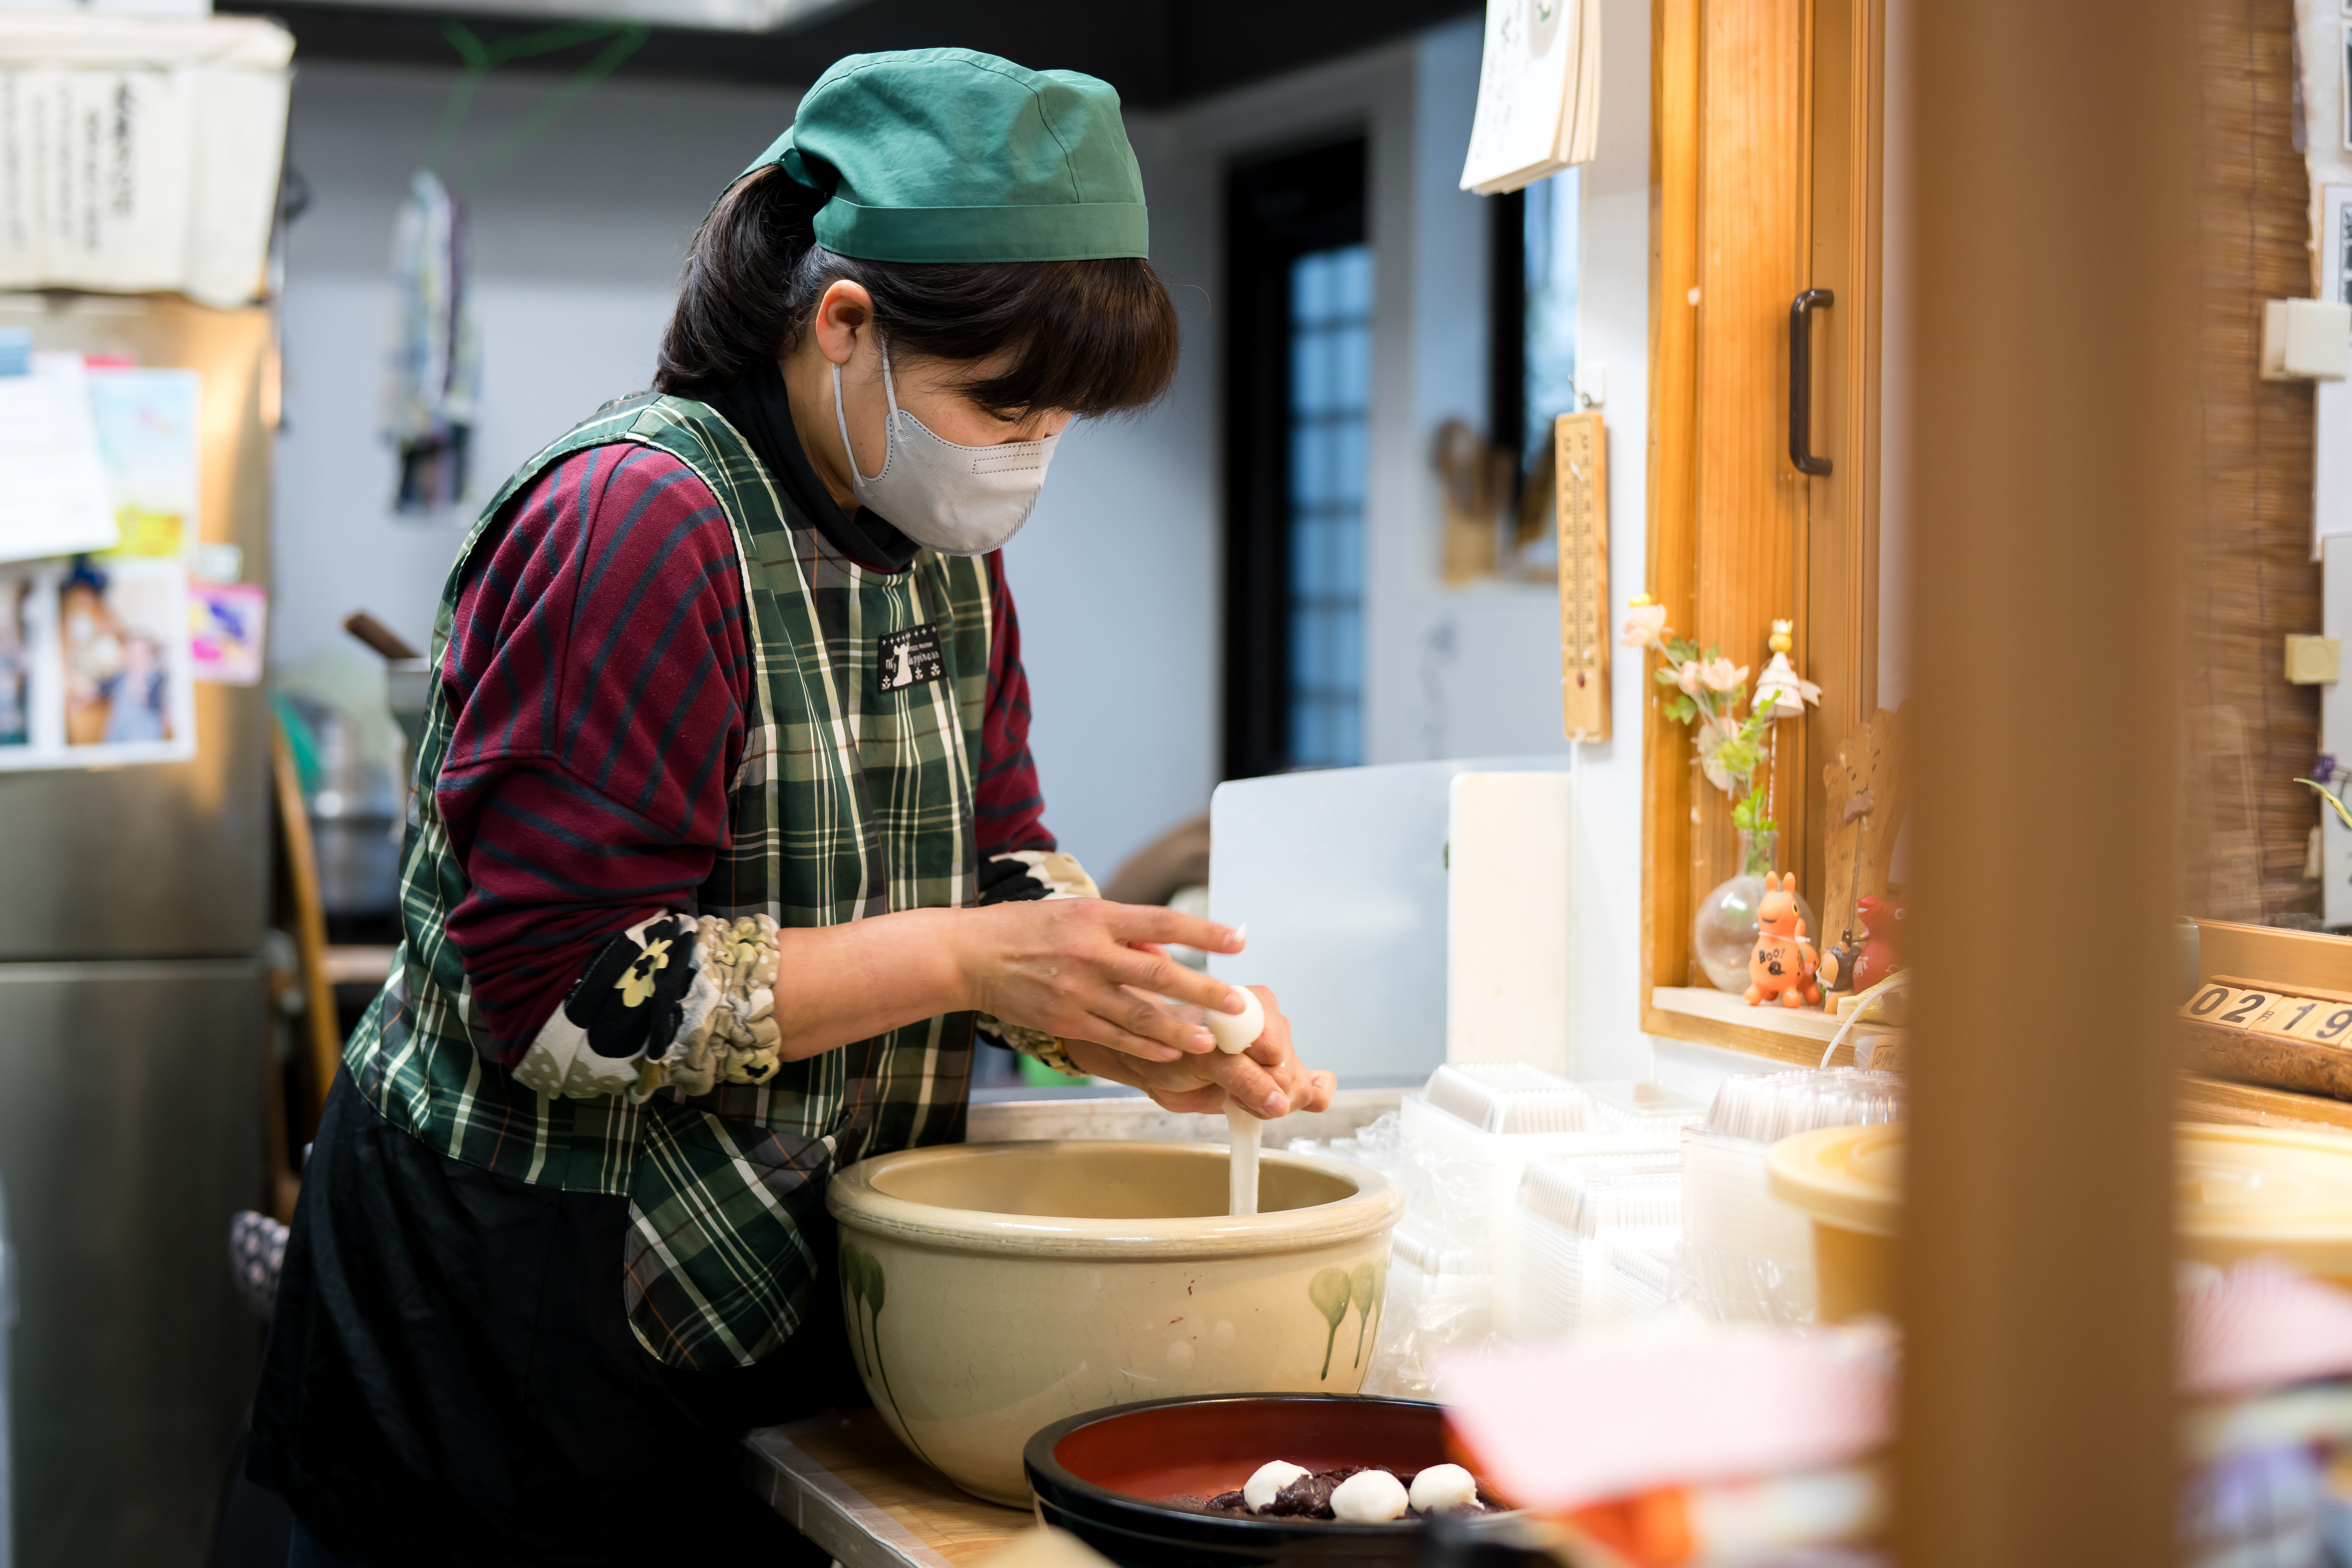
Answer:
(598, 670)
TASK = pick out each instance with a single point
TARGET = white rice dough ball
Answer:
(1258, 1491)
(1368, 1496)
(1237, 1032)
(1445, 1486)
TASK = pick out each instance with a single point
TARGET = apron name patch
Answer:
(911, 657)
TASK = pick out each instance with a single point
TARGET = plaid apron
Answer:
(850, 802)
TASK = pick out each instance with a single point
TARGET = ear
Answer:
(840, 319)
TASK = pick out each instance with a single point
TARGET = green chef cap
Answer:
(953, 155)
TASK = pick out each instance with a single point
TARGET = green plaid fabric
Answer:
(850, 802)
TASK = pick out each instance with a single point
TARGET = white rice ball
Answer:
(1237, 1032)
(1368, 1496)
(1443, 1486)
(1271, 1478)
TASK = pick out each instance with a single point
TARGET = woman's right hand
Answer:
(1088, 969)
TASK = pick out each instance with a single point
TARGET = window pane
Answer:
(1550, 340)
(1330, 399)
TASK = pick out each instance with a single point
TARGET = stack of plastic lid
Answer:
(1749, 1255)
(1509, 1097)
(1649, 1108)
(1466, 1144)
(1765, 1108)
(1581, 1221)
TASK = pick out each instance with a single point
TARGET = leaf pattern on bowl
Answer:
(865, 1290)
(1333, 1291)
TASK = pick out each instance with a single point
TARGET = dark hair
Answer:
(1090, 337)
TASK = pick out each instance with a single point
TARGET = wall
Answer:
(577, 243)
(1614, 335)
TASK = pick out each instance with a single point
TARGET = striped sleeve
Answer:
(598, 671)
(1010, 810)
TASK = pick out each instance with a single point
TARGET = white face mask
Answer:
(960, 500)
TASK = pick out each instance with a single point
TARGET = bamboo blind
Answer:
(2249, 578)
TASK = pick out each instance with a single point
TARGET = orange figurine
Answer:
(1782, 965)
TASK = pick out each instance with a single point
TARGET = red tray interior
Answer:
(1200, 1450)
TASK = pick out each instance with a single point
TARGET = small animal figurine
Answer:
(1836, 972)
(1782, 967)
(1881, 952)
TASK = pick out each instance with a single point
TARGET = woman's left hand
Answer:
(1268, 1080)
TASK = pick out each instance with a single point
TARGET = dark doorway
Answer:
(1298, 287)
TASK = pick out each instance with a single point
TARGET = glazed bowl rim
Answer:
(1049, 1479)
(858, 1204)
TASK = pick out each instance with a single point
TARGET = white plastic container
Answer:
(1569, 1213)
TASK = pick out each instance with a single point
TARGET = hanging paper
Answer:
(1539, 93)
(151, 151)
(54, 499)
(436, 367)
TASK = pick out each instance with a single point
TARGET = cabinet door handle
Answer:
(1800, 380)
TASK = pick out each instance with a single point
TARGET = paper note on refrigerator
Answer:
(54, 499)
(1539, 93)
(148, 438)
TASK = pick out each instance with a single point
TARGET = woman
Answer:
(731, 833)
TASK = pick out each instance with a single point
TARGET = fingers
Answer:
(1149, 970)
(1144, 923)
(1139, 1014)
(1206, 1100)
(1252, 1088)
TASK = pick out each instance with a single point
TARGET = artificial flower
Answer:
(1691, 677)
(1645, 623)
(1720, 675)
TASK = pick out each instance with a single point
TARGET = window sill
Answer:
(1707, 1017)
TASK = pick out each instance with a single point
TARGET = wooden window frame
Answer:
(1766, 155)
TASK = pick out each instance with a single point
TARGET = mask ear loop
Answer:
(889, 426)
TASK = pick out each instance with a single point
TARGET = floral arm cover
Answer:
(674, 1001)
(677, 1002)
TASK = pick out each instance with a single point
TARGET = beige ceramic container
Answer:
(993, 1289)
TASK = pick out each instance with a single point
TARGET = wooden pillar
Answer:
(2051, 292)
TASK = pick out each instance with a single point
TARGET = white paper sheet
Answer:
(1539, 85)
(53, 492)
(149, 438)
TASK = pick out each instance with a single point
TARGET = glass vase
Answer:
(1723, 931)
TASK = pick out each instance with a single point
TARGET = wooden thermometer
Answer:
(1582, 454)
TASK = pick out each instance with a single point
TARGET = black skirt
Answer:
(450, 1380)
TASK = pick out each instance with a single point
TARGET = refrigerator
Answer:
(133, 1038)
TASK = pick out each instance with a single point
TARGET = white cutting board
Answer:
(1340, 875)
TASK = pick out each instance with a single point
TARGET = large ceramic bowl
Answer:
(993, 1289)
